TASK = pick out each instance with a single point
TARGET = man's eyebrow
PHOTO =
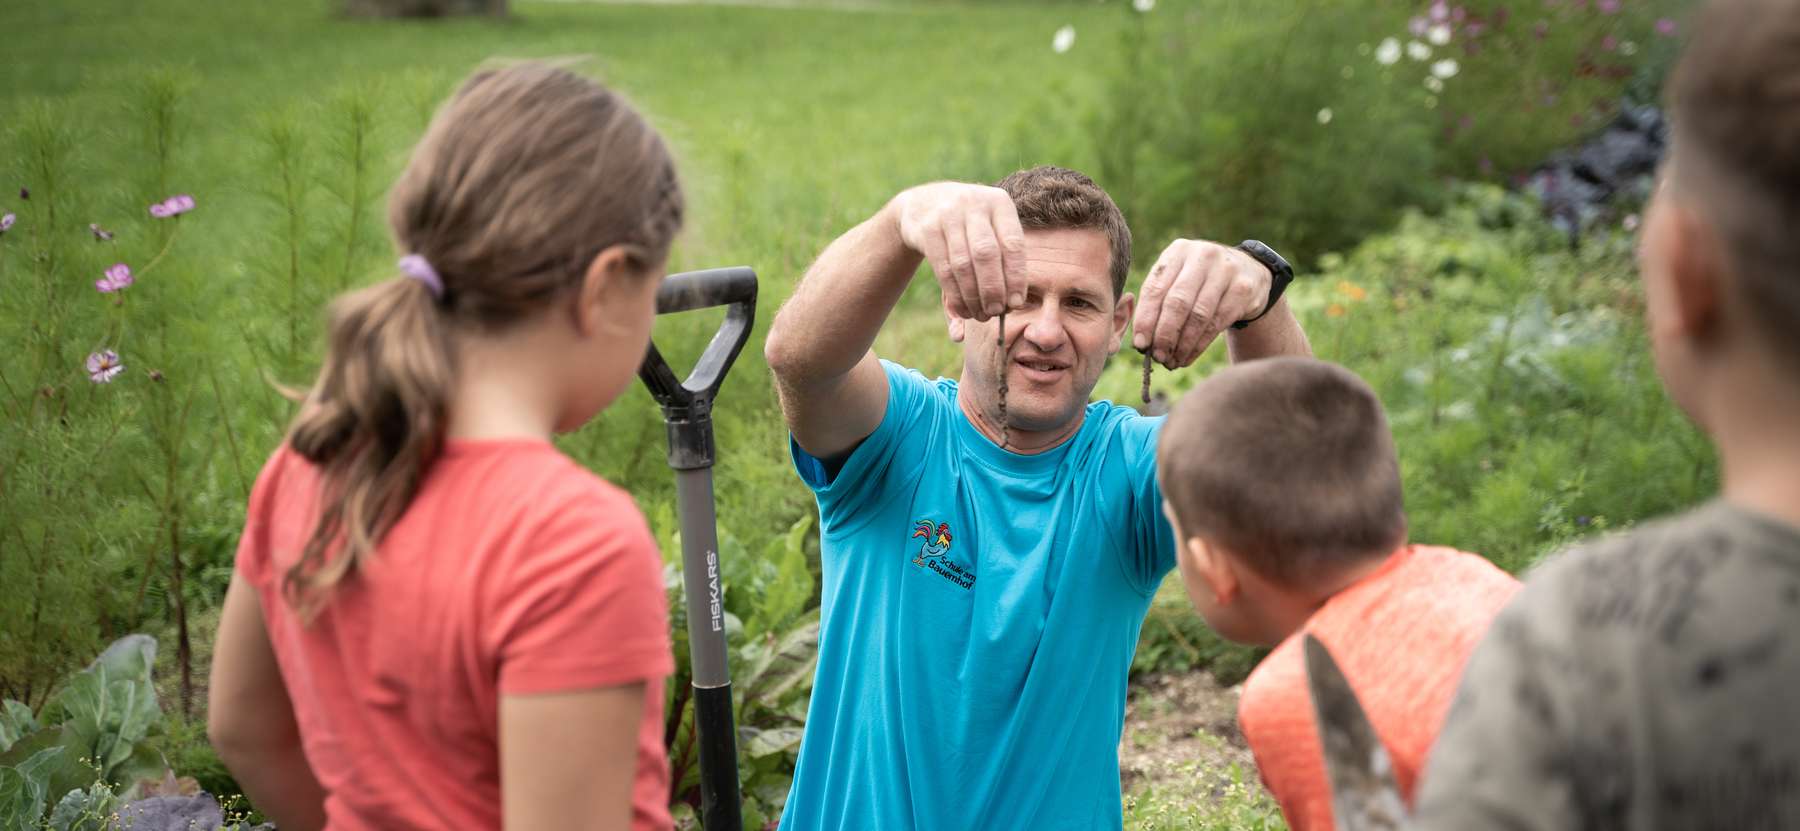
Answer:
(1084, 294)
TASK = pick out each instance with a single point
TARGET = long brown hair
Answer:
(524, 176)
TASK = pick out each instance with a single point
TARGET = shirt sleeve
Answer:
(253, 552)
(584, 605)
(884, 464)
(1152, 553)
(1509, 755)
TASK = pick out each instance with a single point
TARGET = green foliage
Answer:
(89, 809)
(91, 743)
(1228, 800)
(1310, 123)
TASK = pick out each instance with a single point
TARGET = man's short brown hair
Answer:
(1049, 197)
(1288, 464)
(1736, 116)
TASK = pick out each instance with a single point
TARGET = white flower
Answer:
(1435, 84)
(1143, 5)
(1430, 101)
(1439, 34)
(1445, 68)
(1388, 53)
(1064, 40)
(1325, 116)
(1628, 48)
(1417, 51)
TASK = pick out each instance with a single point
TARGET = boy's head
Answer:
(1280, 479)
(1720, 253)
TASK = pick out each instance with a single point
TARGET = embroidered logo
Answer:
(937, 540)
(932, 551)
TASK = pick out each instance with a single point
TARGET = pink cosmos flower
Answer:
(104, 366)
(172, 206)
(1665, 27)
(117, 278)
(1607, 6)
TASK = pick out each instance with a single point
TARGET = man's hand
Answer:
(1196, 290)
(971, 236)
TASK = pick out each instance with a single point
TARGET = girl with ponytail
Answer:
(438, 621)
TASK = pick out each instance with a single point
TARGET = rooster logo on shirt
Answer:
(937, 540)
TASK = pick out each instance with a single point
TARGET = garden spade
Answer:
(1363, 794)
(687, 411)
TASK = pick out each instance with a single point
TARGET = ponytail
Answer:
(373, 424)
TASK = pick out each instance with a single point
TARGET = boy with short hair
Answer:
(1652, 680)
(1316, 542)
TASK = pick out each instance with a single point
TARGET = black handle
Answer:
(687, 404)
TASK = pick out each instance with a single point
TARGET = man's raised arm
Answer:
(833, 391)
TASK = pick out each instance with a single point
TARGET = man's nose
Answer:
(1044, 328)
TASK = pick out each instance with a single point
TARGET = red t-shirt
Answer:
(513, 571)
(1402, 636)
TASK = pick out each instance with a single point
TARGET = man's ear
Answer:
(1121, 318)
(956, 326)
(610, 276)
(1216, 568)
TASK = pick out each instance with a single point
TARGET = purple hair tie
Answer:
(418, 268)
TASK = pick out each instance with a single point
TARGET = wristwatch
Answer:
(1279, 270)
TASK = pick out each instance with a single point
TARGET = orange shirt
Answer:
(513, 571)
(1401, 635)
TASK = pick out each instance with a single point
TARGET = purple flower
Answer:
(1417, 26)
(1607, 6)
(100, 233)
(172, 206)
(1474, 30)
(1440, 10)
(6, 222)
(117, 278)
(1665, 27)
(104, 366)
(1609, 43)
(1541, 30)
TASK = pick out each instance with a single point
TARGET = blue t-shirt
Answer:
(980, 611)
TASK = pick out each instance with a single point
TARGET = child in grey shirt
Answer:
(1653, 680)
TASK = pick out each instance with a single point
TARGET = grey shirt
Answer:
(1648, 681)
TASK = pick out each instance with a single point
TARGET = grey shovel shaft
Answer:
(700, 570)
(687, 411)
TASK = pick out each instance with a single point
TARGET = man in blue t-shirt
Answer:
(991, 543)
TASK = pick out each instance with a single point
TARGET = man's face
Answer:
(1058, 342)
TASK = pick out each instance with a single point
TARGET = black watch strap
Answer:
(1280, 272)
